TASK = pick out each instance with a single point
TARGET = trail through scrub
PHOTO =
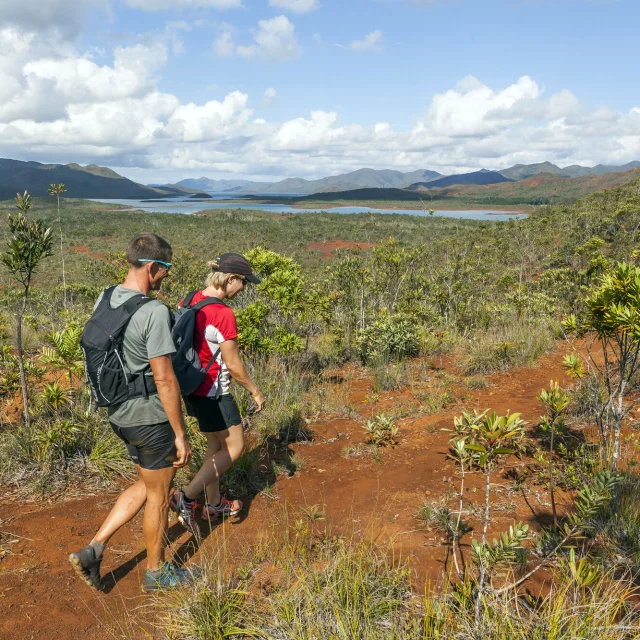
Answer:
(355, 487)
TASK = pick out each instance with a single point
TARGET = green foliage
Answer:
(582, 572)
(30, 244)
(381, 431)
(573, 365)
(490, 436)
(507, 549)
(285, 307)
(387, 337)
(55, 396)
(612, 313)
(65, 352)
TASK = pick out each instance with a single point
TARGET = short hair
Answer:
(149, 246)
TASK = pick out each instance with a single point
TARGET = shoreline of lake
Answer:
(188, 206)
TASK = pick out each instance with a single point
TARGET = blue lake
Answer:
(191, 205)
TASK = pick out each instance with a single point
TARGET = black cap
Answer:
(235, 263)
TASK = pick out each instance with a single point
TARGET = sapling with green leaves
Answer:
(462, 456)
(29, 244)
(489, 438)
(57, 190)
(556, 403)
(65, 353)
(612, 314)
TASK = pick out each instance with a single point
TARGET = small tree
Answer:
(613, 314)
(30, 244)
(556, 403)
(57, 190)
(489, 438)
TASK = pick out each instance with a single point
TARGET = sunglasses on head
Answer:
(166, 265)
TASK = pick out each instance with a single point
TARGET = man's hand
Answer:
(183, 449)
(258, 399)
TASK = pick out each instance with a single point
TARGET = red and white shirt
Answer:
(215, 324)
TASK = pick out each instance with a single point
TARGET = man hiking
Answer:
(148, 416)
(215, 338)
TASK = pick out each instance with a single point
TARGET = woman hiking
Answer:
(215, 338)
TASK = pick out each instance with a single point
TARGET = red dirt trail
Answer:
(41, 597)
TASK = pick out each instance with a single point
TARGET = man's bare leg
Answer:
(154, 526)
(126, 507)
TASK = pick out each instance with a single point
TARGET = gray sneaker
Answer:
(87, 566)
(168, 577)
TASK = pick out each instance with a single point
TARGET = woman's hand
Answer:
(258, 399)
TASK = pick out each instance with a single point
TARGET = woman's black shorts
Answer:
(213, 414)
(150, 446)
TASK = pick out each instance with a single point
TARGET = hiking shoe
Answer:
(87, 566)
(186, 511)
(224, 508)
(168, 577)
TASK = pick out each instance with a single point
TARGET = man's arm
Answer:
(169, 392)
(231, 358)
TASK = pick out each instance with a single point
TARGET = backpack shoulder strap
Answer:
(206, 302)
(134, 303)
(106, 295)
(186, 303)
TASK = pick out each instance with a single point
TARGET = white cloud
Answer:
(166, 5)
(223, 45)
(268, 97)
(62, 16)
(371, 42)
(275, 41)
(57, 104)
(296, 6)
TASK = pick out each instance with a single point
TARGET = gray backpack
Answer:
(186, 361)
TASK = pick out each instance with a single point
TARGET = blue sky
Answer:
(166, 89)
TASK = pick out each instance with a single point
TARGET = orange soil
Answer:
(41, 597)
(82, 249)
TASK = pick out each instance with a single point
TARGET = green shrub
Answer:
(389, 336)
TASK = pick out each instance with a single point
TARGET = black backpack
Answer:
(186, 361)
(106, 371)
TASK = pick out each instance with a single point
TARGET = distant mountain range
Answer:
(373, 178)
(390, 179)
(91, 181)
(522, 171)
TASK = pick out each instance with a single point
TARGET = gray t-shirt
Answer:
(148, 335)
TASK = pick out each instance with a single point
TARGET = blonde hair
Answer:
(218, 279)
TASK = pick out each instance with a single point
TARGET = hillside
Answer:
(543, 188)
(523, 171)
(476, 177)
(81, 182)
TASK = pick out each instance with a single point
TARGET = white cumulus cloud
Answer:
(275, 41)
(295, 6)
(59, 104)
(371, 42)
